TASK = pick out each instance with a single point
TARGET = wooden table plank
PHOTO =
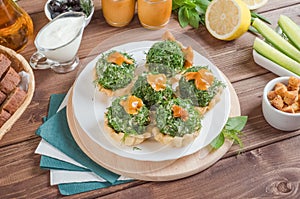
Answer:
(269, 172)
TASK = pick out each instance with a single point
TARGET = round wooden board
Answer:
(148, 170)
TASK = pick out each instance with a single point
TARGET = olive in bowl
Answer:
(53, 8)
(281, 103)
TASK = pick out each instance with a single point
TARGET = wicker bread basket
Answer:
(19, 63)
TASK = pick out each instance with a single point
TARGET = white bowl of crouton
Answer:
(281, 103)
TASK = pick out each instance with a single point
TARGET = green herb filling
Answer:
(199, 98)
(112, 76)
(142, 89)
(172, 126)
(165, 57)
(121, 121)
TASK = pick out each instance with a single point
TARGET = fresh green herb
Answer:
(192, 12)
(255, 15)
(136, 148)
(112, 76)
(172, 126)
(200, 98)
(232, 130)
(128, 124)
(151, 98)
(165, 57)
(86, 6)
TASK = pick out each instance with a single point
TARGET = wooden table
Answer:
(268, 165)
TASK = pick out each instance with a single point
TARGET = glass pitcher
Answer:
(16, 26)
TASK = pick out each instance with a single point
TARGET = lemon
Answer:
(254, 4)
(227, 19)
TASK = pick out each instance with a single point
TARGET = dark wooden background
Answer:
(267, 167)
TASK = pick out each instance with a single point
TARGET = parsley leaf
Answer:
(136, 148)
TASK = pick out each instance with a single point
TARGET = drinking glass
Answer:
(57, 43)
(118, 13)
(154, 14)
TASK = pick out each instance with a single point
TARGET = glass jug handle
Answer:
(39, 61)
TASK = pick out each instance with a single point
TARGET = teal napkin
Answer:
(56, 132)
(52, 163)
(74, 188)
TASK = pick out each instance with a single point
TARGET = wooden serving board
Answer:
(148, 170)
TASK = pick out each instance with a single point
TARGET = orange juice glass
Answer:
(154, 14)
(118, 13)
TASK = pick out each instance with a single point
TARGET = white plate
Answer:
(89, 106)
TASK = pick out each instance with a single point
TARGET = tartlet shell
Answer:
(174, 141)
(128, 140)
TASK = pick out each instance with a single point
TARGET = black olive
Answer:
(71, 2)
(55, 14)
(77, 8)
(64, 7)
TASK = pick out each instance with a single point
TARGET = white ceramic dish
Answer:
(89, 106)
(271, 66)
(276, 118)
(87, 19)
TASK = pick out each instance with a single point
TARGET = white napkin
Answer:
(44, 148)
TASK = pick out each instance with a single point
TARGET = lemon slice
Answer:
(254, 4)
(227, 19)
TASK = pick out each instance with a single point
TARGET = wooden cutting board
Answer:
(148, 170)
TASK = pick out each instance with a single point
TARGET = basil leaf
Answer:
(218, 141)
(236, 123)
(194, 19)
(183, 20)
(231, 130)
(177, 3)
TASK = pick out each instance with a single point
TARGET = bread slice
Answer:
(2, 98)
(4, 64)
(16, 102)
(10, 81)
(4, 116)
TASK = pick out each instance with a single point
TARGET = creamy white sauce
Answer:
(60, 32)
(61, 38)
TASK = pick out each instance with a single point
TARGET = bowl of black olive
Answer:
(53, 8)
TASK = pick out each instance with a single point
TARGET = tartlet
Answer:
(200, 86)
(177, 123)
(152, 89)
(114, 71)
(165, 57)
(127, 120)
(169, 56)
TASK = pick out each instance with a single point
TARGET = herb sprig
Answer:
(232, 130)
(192, 12)
(86, 6)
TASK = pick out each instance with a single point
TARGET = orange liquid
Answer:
(154, 14)
(118, 13)
(15, 25)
